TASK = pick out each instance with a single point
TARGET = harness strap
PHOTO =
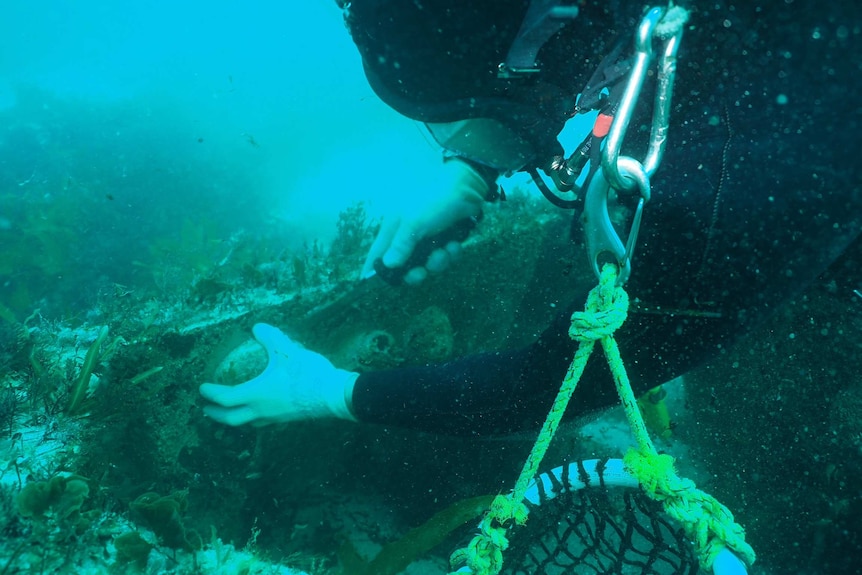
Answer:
(544, 18)
(610, 74)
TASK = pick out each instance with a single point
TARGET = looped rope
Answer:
(709, 523)
(604, 312)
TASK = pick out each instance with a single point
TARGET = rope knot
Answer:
(504, 509)
(606, 309)
(708, 523)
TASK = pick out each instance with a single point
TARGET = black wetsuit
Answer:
(760, 188)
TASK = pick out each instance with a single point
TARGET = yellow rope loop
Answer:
(605, 311)
(706, 521)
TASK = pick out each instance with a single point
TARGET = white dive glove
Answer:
(461, 194)
(297, 384)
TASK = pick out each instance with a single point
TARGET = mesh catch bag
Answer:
(589, 518)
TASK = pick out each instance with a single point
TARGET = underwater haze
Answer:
(173, 174)
(121, 123)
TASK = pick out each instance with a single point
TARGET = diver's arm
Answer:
(489, 393)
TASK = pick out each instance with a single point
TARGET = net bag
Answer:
(590, 517)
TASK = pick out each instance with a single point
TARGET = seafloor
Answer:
(109, 465)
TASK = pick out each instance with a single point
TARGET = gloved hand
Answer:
(297, 384)
(461, 194)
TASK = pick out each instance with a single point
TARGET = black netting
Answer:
(598, 531)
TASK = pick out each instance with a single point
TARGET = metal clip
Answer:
(661, 109)
(623, 172)
(602, 238)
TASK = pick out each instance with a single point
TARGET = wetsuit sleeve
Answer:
(495, 392)
(512, 390)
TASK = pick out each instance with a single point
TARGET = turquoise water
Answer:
(146, 118)
(176, 172)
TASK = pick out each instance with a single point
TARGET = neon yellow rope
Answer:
(709, 524)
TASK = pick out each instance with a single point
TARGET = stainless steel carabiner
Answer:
(623, 172)
(601, 236)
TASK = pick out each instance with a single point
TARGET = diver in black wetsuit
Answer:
(760, 189)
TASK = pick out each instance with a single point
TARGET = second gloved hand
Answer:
(460, 192)
(297, 384)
